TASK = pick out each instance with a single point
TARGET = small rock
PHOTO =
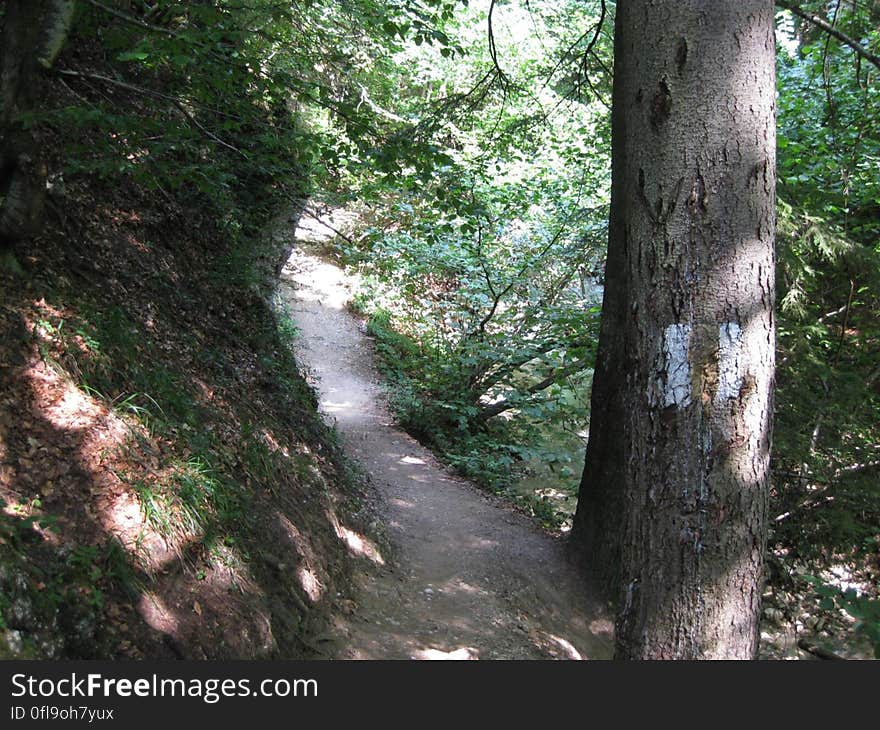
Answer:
(14, 641)
(347, 607)
(21, 612)
(774, 615)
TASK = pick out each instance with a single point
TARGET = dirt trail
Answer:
(469, 577)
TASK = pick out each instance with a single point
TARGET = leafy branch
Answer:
(824, 25)
(176, 102)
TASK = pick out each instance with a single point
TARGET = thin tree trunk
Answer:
(598, 519)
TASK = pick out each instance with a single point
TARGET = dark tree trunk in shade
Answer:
(675, 487)
(595, 530)
(32, 35)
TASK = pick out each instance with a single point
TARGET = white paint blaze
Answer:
(730, 378)
(676, 376)
(758, 339)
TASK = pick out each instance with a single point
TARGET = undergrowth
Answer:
(498, 455)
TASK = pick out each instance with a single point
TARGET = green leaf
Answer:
(133, 56)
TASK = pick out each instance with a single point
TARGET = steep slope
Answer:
(167, 488)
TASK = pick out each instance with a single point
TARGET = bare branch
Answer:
(207, 132)
(314, 216)
(493, 52)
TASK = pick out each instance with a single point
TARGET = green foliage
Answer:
(497, 454)
(825, 467)
(863, 608)
(484, 237)
(487, 214)
(196, 502)
(16, 531)
(483, 180)
(234, 108)
(79, 575)
(111, 354)
(196, 107)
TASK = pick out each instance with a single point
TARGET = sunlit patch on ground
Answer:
(457, 584)
(310, 584)
(157, 614)
(358, 544)
(465, 653)
(565, 646)
(300, 543)
(98, 471)
(123, 517)
(602, 627)
(445, 596)
(319, 282)
(332, 407)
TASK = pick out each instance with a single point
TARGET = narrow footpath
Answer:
(469, 577)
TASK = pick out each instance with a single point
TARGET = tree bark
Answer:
(678, 462)
(34, 31)
(598, 517)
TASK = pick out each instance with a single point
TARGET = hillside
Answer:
(168, 489)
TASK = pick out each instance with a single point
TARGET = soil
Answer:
(129, 369)
(463, 575)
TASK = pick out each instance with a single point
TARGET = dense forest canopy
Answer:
(469, 144)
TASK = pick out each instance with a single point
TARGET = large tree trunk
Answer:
(679, 452)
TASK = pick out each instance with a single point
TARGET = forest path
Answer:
(469, 578)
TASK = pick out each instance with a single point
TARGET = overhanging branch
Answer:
(824, 25)
(175, 102)
(555, 376)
